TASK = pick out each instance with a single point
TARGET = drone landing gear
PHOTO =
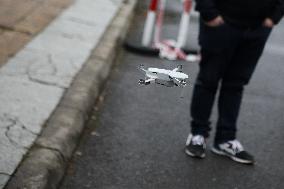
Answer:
(143, 82)
(165, 83)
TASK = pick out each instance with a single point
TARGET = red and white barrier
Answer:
(150, 23)
(168, 48)
(184, 24)
(159, 22)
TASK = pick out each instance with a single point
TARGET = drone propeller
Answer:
(178, 68)
(180, 83)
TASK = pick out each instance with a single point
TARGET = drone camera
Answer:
(183, 82)
(141, 82)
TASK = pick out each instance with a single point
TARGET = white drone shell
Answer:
(171, 73)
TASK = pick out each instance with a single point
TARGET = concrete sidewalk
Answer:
(21, 20)
(49, 86)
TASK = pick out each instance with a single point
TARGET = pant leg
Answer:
(204, 93)
(217, 46)
(237, 75)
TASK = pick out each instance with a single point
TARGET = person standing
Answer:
(232, 37)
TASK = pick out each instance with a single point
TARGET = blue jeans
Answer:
(229, 57)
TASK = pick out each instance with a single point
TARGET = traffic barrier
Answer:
(152, 43)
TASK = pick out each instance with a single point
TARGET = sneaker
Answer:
(195, 146)
(234, 150)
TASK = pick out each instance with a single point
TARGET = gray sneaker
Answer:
(195, 146)
(234, 150)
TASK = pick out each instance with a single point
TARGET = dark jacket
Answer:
(244, 13)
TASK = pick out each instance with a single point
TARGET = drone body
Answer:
(169, 78)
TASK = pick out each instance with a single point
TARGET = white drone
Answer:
(169, 78)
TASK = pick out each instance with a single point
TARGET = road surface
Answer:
(136, 139)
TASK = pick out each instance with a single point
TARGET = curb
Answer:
(44, 165)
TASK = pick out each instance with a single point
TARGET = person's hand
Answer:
(215, 22)
(268, 22)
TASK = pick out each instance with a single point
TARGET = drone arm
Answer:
(141, 67)
(176, 81)
(146, 82)
(149, 81)
(179, 82)
(178, 69)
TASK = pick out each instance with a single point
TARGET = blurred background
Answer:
(135, 136)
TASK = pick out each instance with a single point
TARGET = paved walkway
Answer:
(21, 20)
(33, 81)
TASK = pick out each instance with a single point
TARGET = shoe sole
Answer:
(219, 152)
(194, 155)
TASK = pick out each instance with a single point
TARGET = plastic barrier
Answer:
(153, 45)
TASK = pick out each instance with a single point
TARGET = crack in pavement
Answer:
(12, 29)
(32, 73)
(5, 174)
(14, 122)
(54, 72)
(53, 84)
(73, 36)
(9, 118)
(53, 149)
(81, 21)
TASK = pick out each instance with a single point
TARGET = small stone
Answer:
(101, 98)
(94, 118)
(95, 134)
(78, 153)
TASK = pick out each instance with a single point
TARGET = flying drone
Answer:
(169, 78)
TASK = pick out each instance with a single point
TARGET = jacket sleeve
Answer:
(277, 12)
(207, 9)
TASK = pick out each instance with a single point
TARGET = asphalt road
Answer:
(136, 138)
